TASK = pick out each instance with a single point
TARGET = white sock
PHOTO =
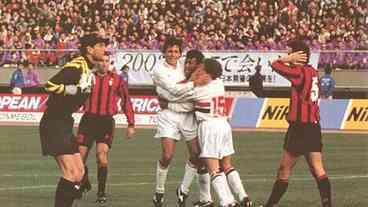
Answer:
(222, 189)
(189, 174)
(161, 176)
(236, 185)
(204, 186)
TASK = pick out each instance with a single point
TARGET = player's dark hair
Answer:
(198, 55)
(328, 69)
(170, 42)
(300, 45)
(212, 67)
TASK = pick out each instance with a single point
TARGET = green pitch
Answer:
(28, 179)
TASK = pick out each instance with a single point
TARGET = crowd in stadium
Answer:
(202, 24)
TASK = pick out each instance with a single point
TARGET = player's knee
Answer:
(317, 171)
(102, 160)
(167, 157)
(284, 172)
(194, 161)
(73, 174)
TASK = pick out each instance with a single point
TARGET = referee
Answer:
(68, 90)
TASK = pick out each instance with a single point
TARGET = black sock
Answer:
(324, 187)
(65, 194)
(101, 178)
(279, 188)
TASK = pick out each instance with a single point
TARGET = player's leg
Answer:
(105, 134)
(204, 180)
(85, 183)
(219, 182)
(280, 186)
(102, 150)
(85, 139)
(235, 182)
(68, 188)
(204, 186)
(168, 148)
(314, 160)
(190, 171)
(168, 133)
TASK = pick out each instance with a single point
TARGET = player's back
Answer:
(210, 101)
(304, 97)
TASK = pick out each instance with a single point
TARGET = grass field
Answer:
(28, 179)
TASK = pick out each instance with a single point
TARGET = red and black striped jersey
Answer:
(107, 90)
(303, 106)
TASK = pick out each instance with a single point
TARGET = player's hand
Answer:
(295, 58)
(200, 77)
(86, 82)
(130, 131)
(163, 103)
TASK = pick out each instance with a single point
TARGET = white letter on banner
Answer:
(152, 105)
(23, 103)
(34, 103)
(6, 101)
(14, 102)
(137, 104)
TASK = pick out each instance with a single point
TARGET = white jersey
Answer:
(166, 79)
(209, 100)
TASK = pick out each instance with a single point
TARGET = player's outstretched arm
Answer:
(176, 89)
(65, 82)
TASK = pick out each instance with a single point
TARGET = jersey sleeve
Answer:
(294, 75)
(176, 89)
(126, 103)
(66, 76)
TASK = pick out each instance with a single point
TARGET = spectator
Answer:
(32, 78)
(327, 84)
(124, 73)
(203, 24)
(17, 79)
(256, 81)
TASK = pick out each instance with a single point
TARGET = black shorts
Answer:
(57, 136)
(93, 128)
(302, 138)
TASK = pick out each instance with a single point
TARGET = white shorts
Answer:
(215, 139)
(176, 125)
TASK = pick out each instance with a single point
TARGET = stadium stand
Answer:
(207, 25)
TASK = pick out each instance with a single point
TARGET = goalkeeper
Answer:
(68, 90)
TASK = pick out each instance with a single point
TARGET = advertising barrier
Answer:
(271, 113)
(244, 112)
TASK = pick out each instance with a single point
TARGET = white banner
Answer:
(237, 66)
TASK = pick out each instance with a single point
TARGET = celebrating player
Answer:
(97, 124)
(215, 135)
(194, 166)
(304, 133)
(68, 90)
(173, 124)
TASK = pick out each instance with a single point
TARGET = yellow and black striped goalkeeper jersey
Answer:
(59, 103)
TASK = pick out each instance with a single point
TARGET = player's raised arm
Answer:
(283, 64)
